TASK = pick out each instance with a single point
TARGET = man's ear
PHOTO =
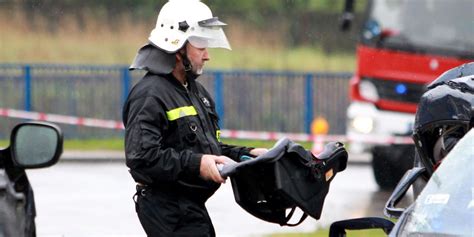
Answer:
(178, 56)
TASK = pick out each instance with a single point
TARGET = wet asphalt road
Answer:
(95, 199)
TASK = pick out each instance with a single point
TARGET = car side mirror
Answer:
(338, 228)
(36, 144)
(400, 190)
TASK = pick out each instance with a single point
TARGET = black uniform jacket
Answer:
(168, 129)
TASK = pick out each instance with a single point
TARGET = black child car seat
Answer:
(286, 177)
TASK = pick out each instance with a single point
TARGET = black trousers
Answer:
(171, 214)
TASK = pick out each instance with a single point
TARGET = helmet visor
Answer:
(209, 34)
(211, 22)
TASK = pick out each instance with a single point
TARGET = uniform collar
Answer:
(191, 83)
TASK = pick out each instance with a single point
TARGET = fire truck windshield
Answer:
(423, 26)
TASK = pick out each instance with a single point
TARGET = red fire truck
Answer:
(403, 45)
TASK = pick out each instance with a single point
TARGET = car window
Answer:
(446, 205)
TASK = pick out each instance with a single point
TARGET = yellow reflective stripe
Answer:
(218, 135)
(180, 112)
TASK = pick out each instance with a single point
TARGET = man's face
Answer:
(197, 57)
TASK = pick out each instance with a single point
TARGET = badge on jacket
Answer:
(206, 101)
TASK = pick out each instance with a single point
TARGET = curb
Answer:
(360, 159)
(92, 156)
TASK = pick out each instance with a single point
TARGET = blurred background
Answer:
(70, 58)
(289, 64)
(288, 35)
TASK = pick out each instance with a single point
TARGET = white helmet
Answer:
(187, 20)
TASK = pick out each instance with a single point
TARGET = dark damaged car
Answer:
(32, 145)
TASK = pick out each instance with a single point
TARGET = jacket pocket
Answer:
(189, 129)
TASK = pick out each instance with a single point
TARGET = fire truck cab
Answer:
(403, 45)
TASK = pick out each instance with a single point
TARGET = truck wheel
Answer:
(390, 163)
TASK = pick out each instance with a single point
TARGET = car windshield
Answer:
(426, 26)
(446, 206)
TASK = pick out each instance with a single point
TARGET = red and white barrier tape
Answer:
(236, 134)
(55, 118)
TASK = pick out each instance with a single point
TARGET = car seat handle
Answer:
(288, 217)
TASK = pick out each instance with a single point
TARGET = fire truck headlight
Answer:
(368, 91)
(362, 124)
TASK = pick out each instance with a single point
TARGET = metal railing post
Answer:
(126, 84)
(219, 94)
(308, 103)
(27, 77)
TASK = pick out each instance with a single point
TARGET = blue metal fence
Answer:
(245, 100)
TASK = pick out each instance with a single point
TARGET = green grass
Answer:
(99, 45)
(281, 59)
(49, 49)
(94, 144)
(4, 143)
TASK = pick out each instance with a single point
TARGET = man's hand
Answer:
(208, 169)
(258, 151)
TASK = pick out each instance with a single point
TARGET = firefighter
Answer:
(172, 137)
